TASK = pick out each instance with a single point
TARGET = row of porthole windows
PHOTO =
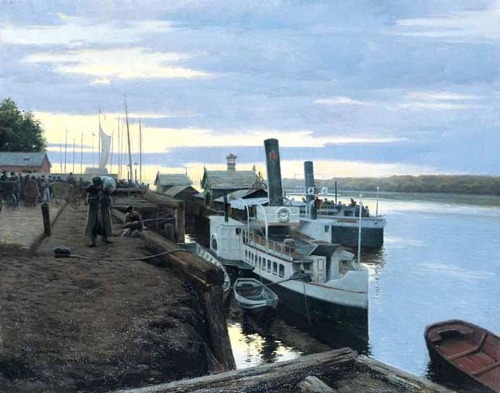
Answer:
(260, 262)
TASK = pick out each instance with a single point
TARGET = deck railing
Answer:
(271, 246)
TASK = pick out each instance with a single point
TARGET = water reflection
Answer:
(254, 342)
(439, 261)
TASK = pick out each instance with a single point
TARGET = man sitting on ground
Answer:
(132, 224)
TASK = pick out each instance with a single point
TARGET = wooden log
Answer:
(197, 269)
(46, 219)
(180, 220)
(398, 377)
(217, 329)
(160, 199)
(312, 384)
(268, 377)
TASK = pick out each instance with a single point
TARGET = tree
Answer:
(19, 130)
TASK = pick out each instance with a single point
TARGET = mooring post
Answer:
(180, 221)
(46, 218)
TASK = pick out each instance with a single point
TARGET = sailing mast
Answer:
(99, 160)
(111, 159)
(128, 138)
(81, 154)
(119, 151)
(65, 149)
(140, 151)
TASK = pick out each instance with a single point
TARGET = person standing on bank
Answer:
(99, 213)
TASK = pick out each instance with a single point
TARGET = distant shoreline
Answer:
(436, 184)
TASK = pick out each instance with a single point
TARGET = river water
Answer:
(440, 261)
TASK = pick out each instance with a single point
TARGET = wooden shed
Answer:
(219, 183)
(26, 162)
(165, 181)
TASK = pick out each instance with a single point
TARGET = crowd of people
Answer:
(124, 183)
(33, 188)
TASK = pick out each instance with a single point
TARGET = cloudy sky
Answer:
(362, 88)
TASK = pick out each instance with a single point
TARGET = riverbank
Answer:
(93, 325)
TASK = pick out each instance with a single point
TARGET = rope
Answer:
(125, 259)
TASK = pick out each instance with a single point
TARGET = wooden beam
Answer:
(398, 377)
(160, 199)
(265, 378)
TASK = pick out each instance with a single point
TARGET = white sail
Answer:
(105, 148)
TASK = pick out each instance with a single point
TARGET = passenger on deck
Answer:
(133, 224)
(353, 203)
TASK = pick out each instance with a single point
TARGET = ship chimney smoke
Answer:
(274, 187)
(309, 185)
(309, 179)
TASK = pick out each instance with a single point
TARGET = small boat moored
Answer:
(254, 296)
(462, 349)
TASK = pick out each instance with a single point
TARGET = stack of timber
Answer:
(340, 371)
(208, 280)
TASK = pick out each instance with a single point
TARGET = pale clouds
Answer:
(107, 65)
(438, 100)
(163, 139)
(395, 84)
(76, 31)
(340, 100)
(462, 26)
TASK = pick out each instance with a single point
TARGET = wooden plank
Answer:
(160, 199)
(217, 329)
(261, 378)
(398, 377)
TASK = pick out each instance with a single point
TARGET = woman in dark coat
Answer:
(31, 192)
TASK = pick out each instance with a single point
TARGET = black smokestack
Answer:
(309, 179)
(274, 188)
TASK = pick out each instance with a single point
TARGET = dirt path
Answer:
(69, 324)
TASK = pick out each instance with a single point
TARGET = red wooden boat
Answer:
(466, 349)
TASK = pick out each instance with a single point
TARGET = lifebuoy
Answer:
(310, 191)
(283, 214)
(324, 190)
